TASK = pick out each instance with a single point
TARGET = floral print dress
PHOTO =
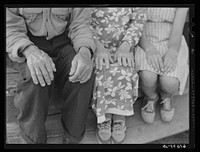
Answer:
(116, 89)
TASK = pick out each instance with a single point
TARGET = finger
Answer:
(167, 67)
(83, 73)
(50, 70)
(153, 64)
(53, 65)
(97, 63)
(77, 73)
(129, 62)
(160, 64)
(119, 59)
(156, 64)
(100, 64)
(73, 67)
(149, 62)
(39, 76)
(87, 78)
(45, 74)
(170, 67)
(124, 61)
(106, 59)
(173, 67)
(133, 63)
(33, 74)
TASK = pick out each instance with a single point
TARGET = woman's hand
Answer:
(170, 60)
(124, 56)
(154, 59)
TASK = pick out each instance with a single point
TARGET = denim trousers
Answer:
(32, 100)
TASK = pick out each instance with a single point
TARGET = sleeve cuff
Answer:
(19, 47)
(85, 43)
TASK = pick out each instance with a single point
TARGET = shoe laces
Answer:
(119, 126)
(166, 104)
(149, 106)
(106, 125)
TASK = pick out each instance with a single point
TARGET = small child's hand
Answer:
(124, 56)
(102, 56)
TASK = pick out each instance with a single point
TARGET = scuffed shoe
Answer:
(148, 111)
(118, 132)
(104, 132)
(166, 111)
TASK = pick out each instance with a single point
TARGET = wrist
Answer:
(29, 50)
(127, 45)
(86, 50)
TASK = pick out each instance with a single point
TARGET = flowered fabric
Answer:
(116, 89)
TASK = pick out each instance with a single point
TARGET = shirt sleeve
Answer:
(16, 38)
(79, 30)
(137, 21)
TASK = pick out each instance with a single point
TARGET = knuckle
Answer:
(49, 70)
(45, 75)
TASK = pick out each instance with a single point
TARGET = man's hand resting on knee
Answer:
(41, 66)
(82, 66)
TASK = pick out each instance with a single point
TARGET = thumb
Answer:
(53, 66)
(73, 67)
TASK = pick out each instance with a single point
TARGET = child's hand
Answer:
(102, 56)
(124, 56)
(154, 59)
(170, 61)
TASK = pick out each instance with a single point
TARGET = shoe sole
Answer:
(100, 141)
(113, 141)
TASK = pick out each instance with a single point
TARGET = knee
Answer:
(169, 84)
(147, 79)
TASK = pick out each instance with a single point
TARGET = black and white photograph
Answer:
(99, 75)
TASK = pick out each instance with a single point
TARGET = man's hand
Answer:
(124, 56)
(82, 66)
(41, 66)
(170, 61)
(154, 59)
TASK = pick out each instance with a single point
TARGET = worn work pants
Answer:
(32, 100)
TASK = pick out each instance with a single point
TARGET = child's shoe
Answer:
(166, 110)
(118, 132)
(148, 111)
(104, 132)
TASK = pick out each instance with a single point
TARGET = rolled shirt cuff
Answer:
(19, 47)
(85, 43)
